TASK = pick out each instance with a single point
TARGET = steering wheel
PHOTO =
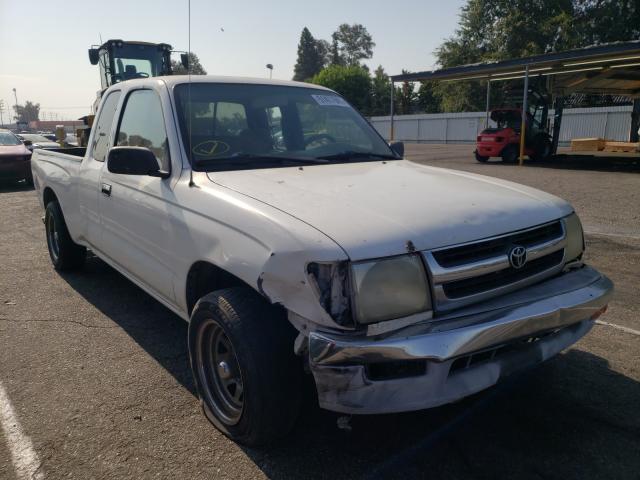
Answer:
(319, 136)
(143, 75)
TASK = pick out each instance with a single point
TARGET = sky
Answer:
(43, 44)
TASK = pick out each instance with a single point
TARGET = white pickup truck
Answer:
(272, 217)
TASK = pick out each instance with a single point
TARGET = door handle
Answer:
(106, 189)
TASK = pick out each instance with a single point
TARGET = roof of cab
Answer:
(173, 80)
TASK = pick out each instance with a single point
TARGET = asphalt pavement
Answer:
(96, 371)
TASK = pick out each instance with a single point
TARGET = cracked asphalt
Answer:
(97, 370)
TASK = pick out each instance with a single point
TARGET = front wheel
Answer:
(247, 376)
(481, 158)
(510, 153)
(541, 147)
(66, 255)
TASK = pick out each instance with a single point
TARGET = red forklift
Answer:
(503, 141)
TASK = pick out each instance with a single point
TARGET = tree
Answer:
(194, 65)
(405, 97)
(380, 92)
(335, 58)
(428, 100)
(354, 43)
(324, 51)
(27, 113)
(310, 59)
(352, 82)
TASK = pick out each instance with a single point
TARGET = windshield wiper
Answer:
(250, 159)
(357, 155)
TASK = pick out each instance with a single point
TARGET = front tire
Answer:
(541, 147)
(481, 158)
(65, 254)
(249, 381)
(510, 153)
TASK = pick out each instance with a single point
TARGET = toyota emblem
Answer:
(518, 257)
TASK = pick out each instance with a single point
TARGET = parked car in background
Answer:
(50, 136)
(15, 158)
(71, 140)
(34, 141)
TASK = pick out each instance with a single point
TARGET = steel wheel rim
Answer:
(53, 237)
(219, 373)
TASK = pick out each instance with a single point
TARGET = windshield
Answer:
(230, 123)
(8, 138)
(136, 61)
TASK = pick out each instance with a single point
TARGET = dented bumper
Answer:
(459, 354)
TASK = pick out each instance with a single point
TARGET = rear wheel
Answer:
(249, 380)
(66, 255)
(510, 153)
(481, 158)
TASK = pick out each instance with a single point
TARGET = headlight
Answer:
(389, 288)
(575, 237)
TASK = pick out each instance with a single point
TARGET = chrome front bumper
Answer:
(563, 308)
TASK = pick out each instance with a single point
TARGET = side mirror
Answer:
(134, 161)
(94, 56)
(27, 143)
(184, 60)
(398, 148)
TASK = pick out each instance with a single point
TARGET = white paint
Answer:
(619, 327)
(24, 457)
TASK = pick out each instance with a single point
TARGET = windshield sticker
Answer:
(330, 100)
(210, 148)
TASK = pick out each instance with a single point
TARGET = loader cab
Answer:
(119, 61)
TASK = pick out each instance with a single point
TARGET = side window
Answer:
(142, 125)
(103, 127)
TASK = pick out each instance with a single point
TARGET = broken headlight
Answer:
(389, 288)
(575, 238)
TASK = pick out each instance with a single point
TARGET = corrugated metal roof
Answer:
(612, 68)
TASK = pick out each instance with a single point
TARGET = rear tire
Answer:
(249, 381)
(481, 158)
(510, 154)
(66, 255)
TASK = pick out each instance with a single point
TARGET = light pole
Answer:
(1, 111)
(270, 67)
(15, 94)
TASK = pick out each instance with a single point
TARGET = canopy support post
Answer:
(488, 101)
(558, 108)
(523, 122)
(635, 121)
(391, 112)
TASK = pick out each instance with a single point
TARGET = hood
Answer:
(13, 150)
(373, 209)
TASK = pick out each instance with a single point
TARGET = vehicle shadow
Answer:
(583, 162)
(10, 187)
(572, 417)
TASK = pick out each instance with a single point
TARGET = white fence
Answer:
(612, 123)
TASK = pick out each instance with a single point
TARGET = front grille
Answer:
(455, 256)
(490, 281)
(464, 274)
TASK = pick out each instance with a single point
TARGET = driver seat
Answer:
(130, 71)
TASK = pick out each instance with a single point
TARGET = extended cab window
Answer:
(142, 125)
(103, 126)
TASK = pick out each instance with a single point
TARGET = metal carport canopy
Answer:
(612, 68)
